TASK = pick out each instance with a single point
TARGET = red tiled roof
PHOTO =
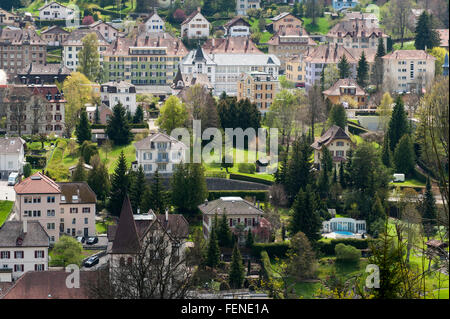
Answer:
(335, 89)
(409, 54)
(37, 183)
(237, 45)
(444, 36)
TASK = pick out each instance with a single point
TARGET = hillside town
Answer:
(212, 149)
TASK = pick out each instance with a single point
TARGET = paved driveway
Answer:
(7, 192)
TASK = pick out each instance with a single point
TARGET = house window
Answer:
(50, 199)
(5, 255)
(18, 268)
(86, 209)
(50, 226)
(74, 210)
(86, 220)
(39, 254)
(18, 254)
(50, 212)
(39, 267)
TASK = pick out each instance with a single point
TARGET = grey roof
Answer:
(246, 59)
(76, 36)
(280, 16)
(81, 189)
(11, 144)
(12, 231)
(159, 137)
(231, 205)
(334, 132)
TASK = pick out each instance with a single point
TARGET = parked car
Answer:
(81, 239)
(13, 179)
(92, 240)
(91, 261)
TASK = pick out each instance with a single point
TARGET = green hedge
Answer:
(247, 168)
(250, 179)
(266, 267)
(259, 195)
(49, 23)
(139, 125)
(98, 126)
(328, 248)
(278, 249)
(36, 161)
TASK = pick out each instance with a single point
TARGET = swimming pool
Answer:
(344, 233)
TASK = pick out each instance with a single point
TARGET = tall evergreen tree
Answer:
(138, 115)
(224, 232)
(429, 211)
(299, 168)
(344, 68)
(79, 175)
(118, 128)
(404, 157)
(386, 156)
(119, 185)
(158, 197)
(362, 71)
(398, 125)
(378, 71)
(426, 36)
(213, 251)
(83, 128)
(188, 187)
(342, 175)
(98, 178)
(97, 116)
(338, 116)
(249, 242)
(236, 276)
(137, 189)
(305, 217)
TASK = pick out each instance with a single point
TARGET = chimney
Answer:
(167, 215)
(206, 202)
(199, 9)
(25, 226)
(138, 211)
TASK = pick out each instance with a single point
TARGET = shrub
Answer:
(347, 253)
(247, 168)
(278, 249)
(216, 174)
(88, 150)
(224, 286)
(36, 161)
(266, 267)
(327, 248)
(27, 170)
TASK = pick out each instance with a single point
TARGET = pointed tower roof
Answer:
(199, 56)
(126, 239)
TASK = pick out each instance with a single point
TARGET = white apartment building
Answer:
(112, 93)
(55, 11)
(224, 69)
(408, 70)
(61, 208)
(195, 26)
(237, 27)
(12, 156)
(23, 247)
(243, 5)
(74, 42)
(160, 152)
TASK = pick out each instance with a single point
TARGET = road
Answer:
(103, 260)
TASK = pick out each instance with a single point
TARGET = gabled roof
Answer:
(96, 23)
(81, 189)
(230, 45)
(77, 35)
(355, 28)
(192, 16)
(35, 236)
(55, 29)
(299, 34)
(126, 240)
(327, 53)
(409, 55)
(11, 145)
(52, 2)
(283, 15)
(334, 132)
(37, 183)
(45, 69)
(235, 20)
(157, 137)
(231, 206)
(176, 225)
(335, 89)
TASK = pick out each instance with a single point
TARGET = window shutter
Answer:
(15, 256)
(35, 265)
(35, 256)
(231, 222)
(9, 254)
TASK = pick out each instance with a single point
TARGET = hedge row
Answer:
(36, 161)
(250, 179)
(103, 126)
(216, 174)
(266, 267)
(278, 249)
(259, 195)
(328, 248)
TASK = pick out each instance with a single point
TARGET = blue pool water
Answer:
(347, 233)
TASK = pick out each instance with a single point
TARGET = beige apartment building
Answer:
(408, 70)
(61, 208)
(259, 87)
(285, 20)
(296, 70)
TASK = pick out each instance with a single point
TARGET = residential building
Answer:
(55, 11)
(357, 33)
(285, 20)
(243, 5)
(444, 36)
(159, 152)
(135, 232)
(344, 224)
(344, 89)
(36, 73)
(237, 27)
(23, 248)
(107, 30)
(235, 45)
(370, 19)
(155, 23)
(224, 70)
(74, 43)
(259, 87)
(239, 212)
(338, 143)
(61, 208)
(288, 42)
(183, 81)
(296, 70)
(112, 93)
(19, 48)
(322, 55)
(12, 156)
(44, 116)
(54, 36)
(146, 59)
(51, 284)
(344, 4)
(408, 70)
(195, 26)
(9, 18)
(104, 113)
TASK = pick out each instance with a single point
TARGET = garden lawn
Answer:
(406, 46)
(409, 183)
(5, 209)
(322, 25)
(111, 158)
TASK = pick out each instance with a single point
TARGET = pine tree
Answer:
(342, 175)
(429, 211)
(118, 128)
(381, 51)
(138, 115)
(299, 168)
(97, 116)
(398, 125)
(83, 128)
(213, 251)
(158, 198)
(119, 185)
(79, 175)
(338, 116)
(236, 275)
(249, 242)
(426, 36)
(386, 153)
(98, 178)
(362, 71)
(305, 217)
(224, 232)
(344, 68)
(137, 189)
(188, 187)
(404, 157)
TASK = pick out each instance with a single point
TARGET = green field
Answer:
(409, 45)
(5, 209)
(322, 26)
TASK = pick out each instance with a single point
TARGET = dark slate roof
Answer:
(231, 205)
(126, 239)
(199, 56)
(11, 144)
(334, 132)
(176, 226)
(86, 194)
(238, 20)
(50, 285)
(45, 69)
(11, 234)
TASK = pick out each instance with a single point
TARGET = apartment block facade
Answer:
(259, 87)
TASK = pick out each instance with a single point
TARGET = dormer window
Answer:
(74, 198)
(63, 198)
